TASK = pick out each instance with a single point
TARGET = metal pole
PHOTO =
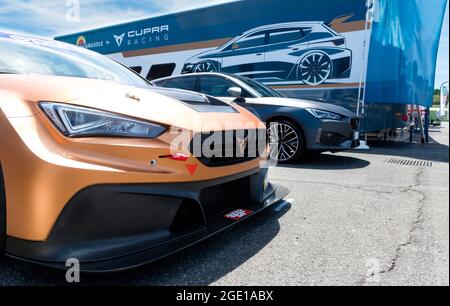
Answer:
(427, 125)
(442, 111)
(422, 132)
(365, 59)
(411, 127)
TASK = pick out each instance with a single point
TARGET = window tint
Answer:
(262, 90)
(215, 86)
(255, 40)
(285, 35)
(160, 71)
(218, 87)
(187, 83)
(137, 69)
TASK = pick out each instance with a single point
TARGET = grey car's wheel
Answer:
(205, 67)
(315, 68)
(286, 141)
(2, 215)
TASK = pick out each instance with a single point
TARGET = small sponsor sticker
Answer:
(238, 214)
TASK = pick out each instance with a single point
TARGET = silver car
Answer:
(294, 126)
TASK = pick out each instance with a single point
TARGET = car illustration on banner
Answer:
(306, 52)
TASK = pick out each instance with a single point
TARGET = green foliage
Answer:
(437, 100)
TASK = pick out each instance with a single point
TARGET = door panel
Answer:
(246, 56)
(282, 52)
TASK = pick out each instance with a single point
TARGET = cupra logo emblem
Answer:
(119, 39)
(242, 143)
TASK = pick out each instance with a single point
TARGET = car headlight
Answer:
(74, 121)
(324, 115)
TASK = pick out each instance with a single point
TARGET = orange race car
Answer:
(98, 166)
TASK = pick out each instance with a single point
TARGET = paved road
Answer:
(353, 219)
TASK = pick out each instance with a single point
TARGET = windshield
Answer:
(262, 90)
(22, 55)
(228, 42)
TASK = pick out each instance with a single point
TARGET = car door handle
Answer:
(259, 54)
(295, 49)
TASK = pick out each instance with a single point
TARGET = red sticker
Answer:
(238, 214)
(192, 169)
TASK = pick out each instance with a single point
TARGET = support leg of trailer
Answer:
(427, 125)
(421, 125)
(411, 128)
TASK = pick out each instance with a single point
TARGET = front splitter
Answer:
(154, 253)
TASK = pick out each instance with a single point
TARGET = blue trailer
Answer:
(306, 49)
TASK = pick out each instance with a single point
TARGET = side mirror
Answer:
(235, 92)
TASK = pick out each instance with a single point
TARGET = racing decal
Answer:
(192, 168)
(238, 214)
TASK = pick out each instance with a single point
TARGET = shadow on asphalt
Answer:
(432, 151)
(201, 264)
(328, 161)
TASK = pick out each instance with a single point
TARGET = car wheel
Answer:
(286, 141)
(315, 68)
(207, 66)
(2, 215)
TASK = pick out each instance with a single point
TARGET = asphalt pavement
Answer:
(351, 218)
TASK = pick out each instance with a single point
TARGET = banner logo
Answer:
(81, 41)
(119, 39)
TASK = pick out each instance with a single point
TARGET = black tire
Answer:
(2, 215)
(287, 146)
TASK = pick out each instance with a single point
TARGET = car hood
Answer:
(20, 94)
(299, 103)
(178, 94)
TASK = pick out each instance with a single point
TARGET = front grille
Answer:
(228, 147)
(223, 198)
(354, 123)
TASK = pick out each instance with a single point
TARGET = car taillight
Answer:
(405, 118)
(339, 42)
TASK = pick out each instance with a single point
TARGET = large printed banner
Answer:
(403, 51)
(305, 48)
(289, 44)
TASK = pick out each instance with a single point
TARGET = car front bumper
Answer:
(335, 136)
(120, 226)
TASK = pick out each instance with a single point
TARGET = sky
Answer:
(49, 18)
